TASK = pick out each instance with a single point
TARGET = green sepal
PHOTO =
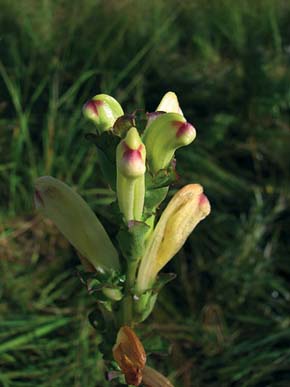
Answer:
(162, 178)
(132, 239)
(162, 280)
(96, 319)
(156, 345)
(143, 305)
(123, 124)
(157, 188)
(153, 198)
(138, 119)
(108, 286)
(106, 144)
(141, 119)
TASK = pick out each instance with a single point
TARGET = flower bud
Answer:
(76, 221)
(103, 110)
(130, 355)
(153, 378)
(131, 155)
(163, 136)
(185, 210)
(169, 104)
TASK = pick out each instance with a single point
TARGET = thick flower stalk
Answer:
(103, 110)
(163, 136)
(76, 221)
(131, 155)
(138, 167)
(185, 210)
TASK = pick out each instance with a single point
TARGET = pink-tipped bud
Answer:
(131, 155)
(131, 167)
(103, 110)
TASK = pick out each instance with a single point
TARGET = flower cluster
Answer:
(139, 166)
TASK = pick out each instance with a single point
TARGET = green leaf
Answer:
(162, 178)
(123, 124)
(153, 198)
(132, 239)
(106, 144)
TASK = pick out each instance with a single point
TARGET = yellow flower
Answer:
(185, 210)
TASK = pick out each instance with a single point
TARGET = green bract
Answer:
(76, 221)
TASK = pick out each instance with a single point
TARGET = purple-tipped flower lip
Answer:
(183, 128)
(132, 155)
(93, 105)
(203, 199)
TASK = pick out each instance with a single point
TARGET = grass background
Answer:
(227, 315)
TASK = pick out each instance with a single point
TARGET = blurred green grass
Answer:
(227, 313)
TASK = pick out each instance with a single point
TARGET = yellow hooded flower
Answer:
(185, 210)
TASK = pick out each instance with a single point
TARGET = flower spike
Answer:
(76, 221)
(103, 110)
(131, 169)
(185, 210)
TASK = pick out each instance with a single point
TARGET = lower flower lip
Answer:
(185, 129)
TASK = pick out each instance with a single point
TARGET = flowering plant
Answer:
(139, 166)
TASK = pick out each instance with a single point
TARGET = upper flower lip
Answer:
(169, 103)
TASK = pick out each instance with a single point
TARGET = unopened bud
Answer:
(103, 110)
(185, 210)
(76, 221)
(163, 136)
(131, 155)
(130, 355)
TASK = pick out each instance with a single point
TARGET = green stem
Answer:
(127, 307)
